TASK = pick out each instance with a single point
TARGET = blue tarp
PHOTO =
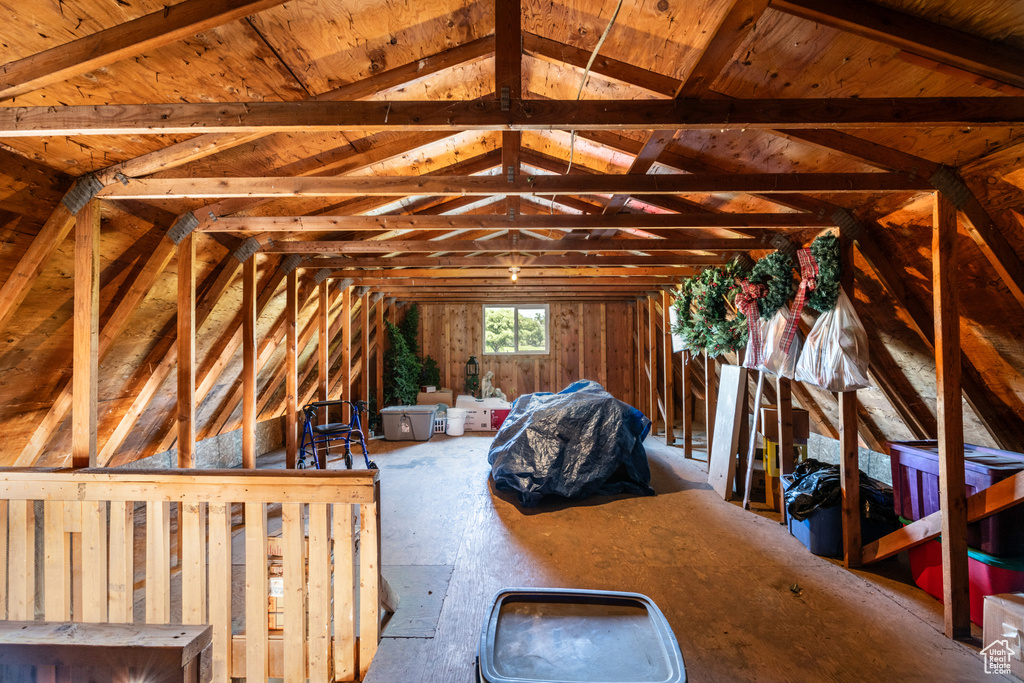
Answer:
(579, 442)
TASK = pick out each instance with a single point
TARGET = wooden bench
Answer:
(150, 652)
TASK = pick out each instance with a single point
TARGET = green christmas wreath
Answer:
(825, 250)
(775, 272)
(704, 308)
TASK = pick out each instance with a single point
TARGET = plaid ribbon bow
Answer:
(746, 302)
(808, 283)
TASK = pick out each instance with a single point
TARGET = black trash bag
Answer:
(816, 485)
(579, 442)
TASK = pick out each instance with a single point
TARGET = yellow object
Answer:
(771, 469)
(771, 462)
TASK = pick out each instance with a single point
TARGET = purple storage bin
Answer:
(915, 485)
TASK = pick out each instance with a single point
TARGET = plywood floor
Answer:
(721, 575)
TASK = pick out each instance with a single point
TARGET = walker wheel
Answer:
(371, 466)
(348, 461)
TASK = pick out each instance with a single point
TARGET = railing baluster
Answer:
(94, 562)
(369, 581)
(158, 562)
(88, 536)
(344, 596)
(220, 589)
(121, 579)
(319, 593)
(3, 559)
(293, 529)
(56, 563)
(22, 562)
(257, 661)
(193, 563)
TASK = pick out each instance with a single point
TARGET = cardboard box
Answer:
(444, 396)
(1004, 634)
(478, 411)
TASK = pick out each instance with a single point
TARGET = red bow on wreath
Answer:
(746, 302)
(808, 283)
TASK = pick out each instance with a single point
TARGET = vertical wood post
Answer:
(667, 369)
(710, 399)
(380, 354)
(346, 348)
(186, 350)
(641, 392)
(249, 363)
(85, 358)
(784, 398)
(292, 369)
(652, 346)
(323, 343)
(849, 477)
(364, 350)
(952, 489)
(688, 403)
(849, 453)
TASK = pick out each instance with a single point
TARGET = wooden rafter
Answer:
(532, 114)
(928, 39)
(162, 359)
(734, 28)
(168, 25)
(157, 261)
(207, 144)
(992, 415)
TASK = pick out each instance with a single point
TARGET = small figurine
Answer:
(488, 390)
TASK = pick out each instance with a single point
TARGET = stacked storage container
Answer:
(996, 555)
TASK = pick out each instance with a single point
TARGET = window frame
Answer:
(515, 329)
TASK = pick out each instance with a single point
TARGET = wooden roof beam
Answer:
(677, 221)
(207, 144)
(457, 186)
(918, 36)
(526, 275)
(520, 259)
(503, 245)
(149, 32)
(689, 114)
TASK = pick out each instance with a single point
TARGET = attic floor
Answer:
(720, 574)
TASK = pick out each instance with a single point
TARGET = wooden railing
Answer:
(92, 519)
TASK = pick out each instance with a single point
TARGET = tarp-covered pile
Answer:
(579, 442)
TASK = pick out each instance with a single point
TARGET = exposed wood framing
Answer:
(928, 39)
(458, 186)
(249, 315)
(85, 361)
(103, 48)
(952, 489)
(292, 370)
(531, 114)
(187, 351)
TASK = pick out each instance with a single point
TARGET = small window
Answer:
(513, 329)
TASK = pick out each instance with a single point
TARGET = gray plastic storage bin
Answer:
(408, 423)
(561, 636)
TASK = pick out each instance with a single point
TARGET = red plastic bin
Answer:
(988, 575)
(915, 487)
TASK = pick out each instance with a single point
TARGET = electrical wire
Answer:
(583, 82)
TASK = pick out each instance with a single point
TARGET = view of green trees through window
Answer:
(515, 329)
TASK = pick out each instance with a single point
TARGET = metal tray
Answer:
(575, 636)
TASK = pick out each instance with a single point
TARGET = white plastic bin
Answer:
(456, 421)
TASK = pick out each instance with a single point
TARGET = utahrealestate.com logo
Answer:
(997, 657)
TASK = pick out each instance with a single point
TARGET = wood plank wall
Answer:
(589, 340)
